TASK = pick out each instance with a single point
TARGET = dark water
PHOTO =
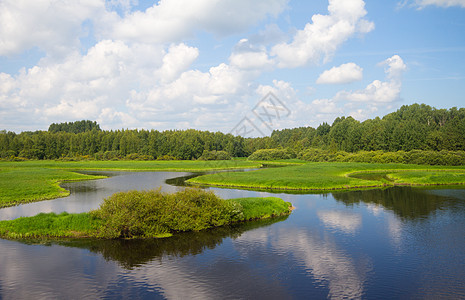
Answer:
(377, 244)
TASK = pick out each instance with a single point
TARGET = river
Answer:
(373, 244)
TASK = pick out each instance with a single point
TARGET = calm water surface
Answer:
(376, 244)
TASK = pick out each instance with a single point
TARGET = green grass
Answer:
(50, 225)
(22, 185)
(335, 176)
(261, 208)
(146, 214)
(436, 177)
(28, 181)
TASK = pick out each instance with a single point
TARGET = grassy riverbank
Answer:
(28, 181)
(334, 176)
(22, 185)
(146, 214)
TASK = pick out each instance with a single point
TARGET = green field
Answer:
(28, 181)
(335, 176)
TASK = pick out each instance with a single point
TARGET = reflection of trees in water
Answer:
(181, 181)
(134, 253)
(407, 202)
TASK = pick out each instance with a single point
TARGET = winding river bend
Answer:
(392, 243)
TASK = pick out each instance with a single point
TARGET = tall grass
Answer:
(264, 208)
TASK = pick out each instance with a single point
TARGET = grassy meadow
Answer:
(336, 176)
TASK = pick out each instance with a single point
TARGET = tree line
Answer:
(107, 145)
(413, 127)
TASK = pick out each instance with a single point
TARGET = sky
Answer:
(239, 66)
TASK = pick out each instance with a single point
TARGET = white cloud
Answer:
(81, 86)
(345, 73)
(178, 59)
(52, 26)
(249, 56)
(360, 104)
(325, 106)
(324, 35)
(250, 60)
(195, 98)
(395, 67)
(138, 72)
(380, 91)
(57, 26)
(170, 21)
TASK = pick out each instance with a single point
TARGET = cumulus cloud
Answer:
(360, 104)
(345, 73)
(138, 72)
(380, 91)
(178, 59)
(53, 26)
(175, 20)
(324, 35)
(57, 26)
(325, 106)
(196, 98)
(83, 85)
(248, 56)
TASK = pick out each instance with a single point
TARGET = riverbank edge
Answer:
(59, 193)
(74, 233)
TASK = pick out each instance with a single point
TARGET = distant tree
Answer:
(74, 127)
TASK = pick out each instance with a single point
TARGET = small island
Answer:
(146, 214)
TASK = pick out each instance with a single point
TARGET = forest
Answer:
(410, 129)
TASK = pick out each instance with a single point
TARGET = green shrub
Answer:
(272, 154)
(153, 213)
(215, 155)
(316, 155)
(420, 157)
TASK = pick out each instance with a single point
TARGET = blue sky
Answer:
(205, 64)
